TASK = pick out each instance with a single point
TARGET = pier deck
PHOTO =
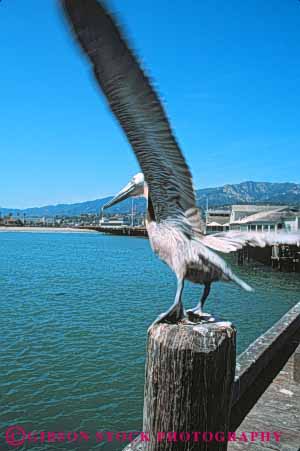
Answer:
(278, 409)
(123, 230)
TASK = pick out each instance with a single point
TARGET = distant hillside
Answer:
(88, 207)
(242, 193)
(250, 192)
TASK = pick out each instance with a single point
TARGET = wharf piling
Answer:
(183, 393)
(120, 230)
(280, 257)
(195, 385)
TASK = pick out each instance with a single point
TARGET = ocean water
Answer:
(74, 311)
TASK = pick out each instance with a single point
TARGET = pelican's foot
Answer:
(171, 316)
(197, 313)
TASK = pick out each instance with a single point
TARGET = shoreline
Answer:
(44, 229)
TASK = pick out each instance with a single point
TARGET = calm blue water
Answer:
(74, 310)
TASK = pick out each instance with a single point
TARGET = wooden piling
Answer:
(189, 379)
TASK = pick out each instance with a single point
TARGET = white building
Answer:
(39, 221)
(113, 222)
(239, 212)
(217, 220)
(271, 220)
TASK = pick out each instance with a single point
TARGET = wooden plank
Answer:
(296, 366)
(278, 410)
(260, 363)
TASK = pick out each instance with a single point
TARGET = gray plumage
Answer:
(174, 225)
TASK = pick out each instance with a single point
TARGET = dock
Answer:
(280, 257)
(119, 230)
(277, 411)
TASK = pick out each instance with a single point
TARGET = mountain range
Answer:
(242, 193)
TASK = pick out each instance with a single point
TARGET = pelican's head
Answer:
(137, 187)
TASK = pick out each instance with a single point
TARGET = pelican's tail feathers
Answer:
(241, 283)
(214, 262)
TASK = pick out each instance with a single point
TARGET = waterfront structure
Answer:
(239, 212)
(281, 256)
(40, 221)
(10, 221)
(253, 218)
(274, 219)
(113, 222)
(217, 220)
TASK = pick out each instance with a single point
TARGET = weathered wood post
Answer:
(296, 369)
(188, 389)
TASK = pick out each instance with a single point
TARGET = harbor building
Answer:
(10, 221)
(114, 222)
(272, 219)
(277, 219)
(217, 220)
(239, 212)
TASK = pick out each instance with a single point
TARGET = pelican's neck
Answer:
(150, 210)
(146, 191)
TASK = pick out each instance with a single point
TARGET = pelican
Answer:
(174, 225)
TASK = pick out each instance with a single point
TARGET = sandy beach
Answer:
(44, 229)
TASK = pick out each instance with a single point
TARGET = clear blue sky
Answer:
(228, 72)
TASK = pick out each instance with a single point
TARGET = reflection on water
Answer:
(74, 312)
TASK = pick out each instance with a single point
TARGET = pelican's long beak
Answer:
(126, 192)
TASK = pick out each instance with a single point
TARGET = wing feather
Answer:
(232, 241)
(139, 111)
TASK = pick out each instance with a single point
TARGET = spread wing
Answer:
(139, 111)
(233, 240)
